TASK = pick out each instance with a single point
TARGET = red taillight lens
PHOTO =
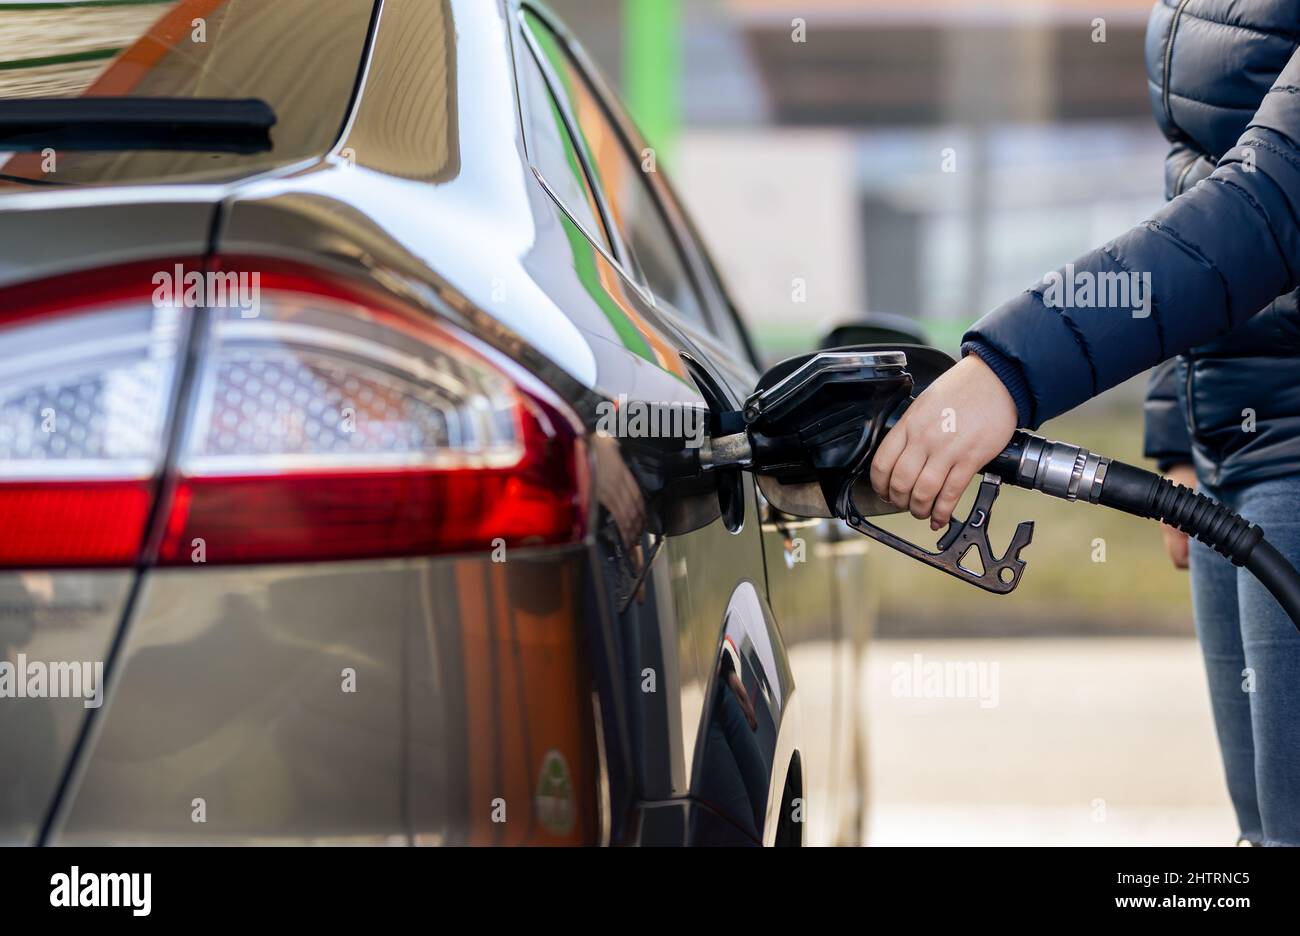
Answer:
(85, 387)
(390, 512)
(324, 422)
(336, 425)
(73, 523)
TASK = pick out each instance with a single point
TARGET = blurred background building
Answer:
(928, 158)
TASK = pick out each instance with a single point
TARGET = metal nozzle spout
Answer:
(726, 451)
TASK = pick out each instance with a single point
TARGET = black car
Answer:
(350, 353)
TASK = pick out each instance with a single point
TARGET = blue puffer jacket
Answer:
(1221, 260)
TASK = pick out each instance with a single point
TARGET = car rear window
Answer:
(301, 57)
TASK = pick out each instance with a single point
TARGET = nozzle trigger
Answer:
(997, 574)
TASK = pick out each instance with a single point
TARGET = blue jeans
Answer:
(1252, 658)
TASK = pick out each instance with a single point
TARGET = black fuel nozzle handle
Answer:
(995, 573)
(1028, 461)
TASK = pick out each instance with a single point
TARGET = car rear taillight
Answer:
(84, 395)
(334, 424)
(323, 421)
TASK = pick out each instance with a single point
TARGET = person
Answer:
(1211, 278)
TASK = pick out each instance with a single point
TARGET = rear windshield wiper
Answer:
(215, 125)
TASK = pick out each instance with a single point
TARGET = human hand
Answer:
(1175, 539)
(954, 429)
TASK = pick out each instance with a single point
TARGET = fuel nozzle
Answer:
(815, 422)
(726, 451)
(811, 428)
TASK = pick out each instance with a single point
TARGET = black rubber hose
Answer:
(1278, 576)
(1145, 494)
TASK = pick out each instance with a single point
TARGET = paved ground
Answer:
(1077, 741)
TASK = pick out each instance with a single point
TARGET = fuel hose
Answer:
(1071, 472)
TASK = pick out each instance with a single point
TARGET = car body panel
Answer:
(49, 618)
(343, 703)
(54, 233)
(801, 586)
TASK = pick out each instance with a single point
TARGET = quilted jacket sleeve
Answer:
(1213, 257)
